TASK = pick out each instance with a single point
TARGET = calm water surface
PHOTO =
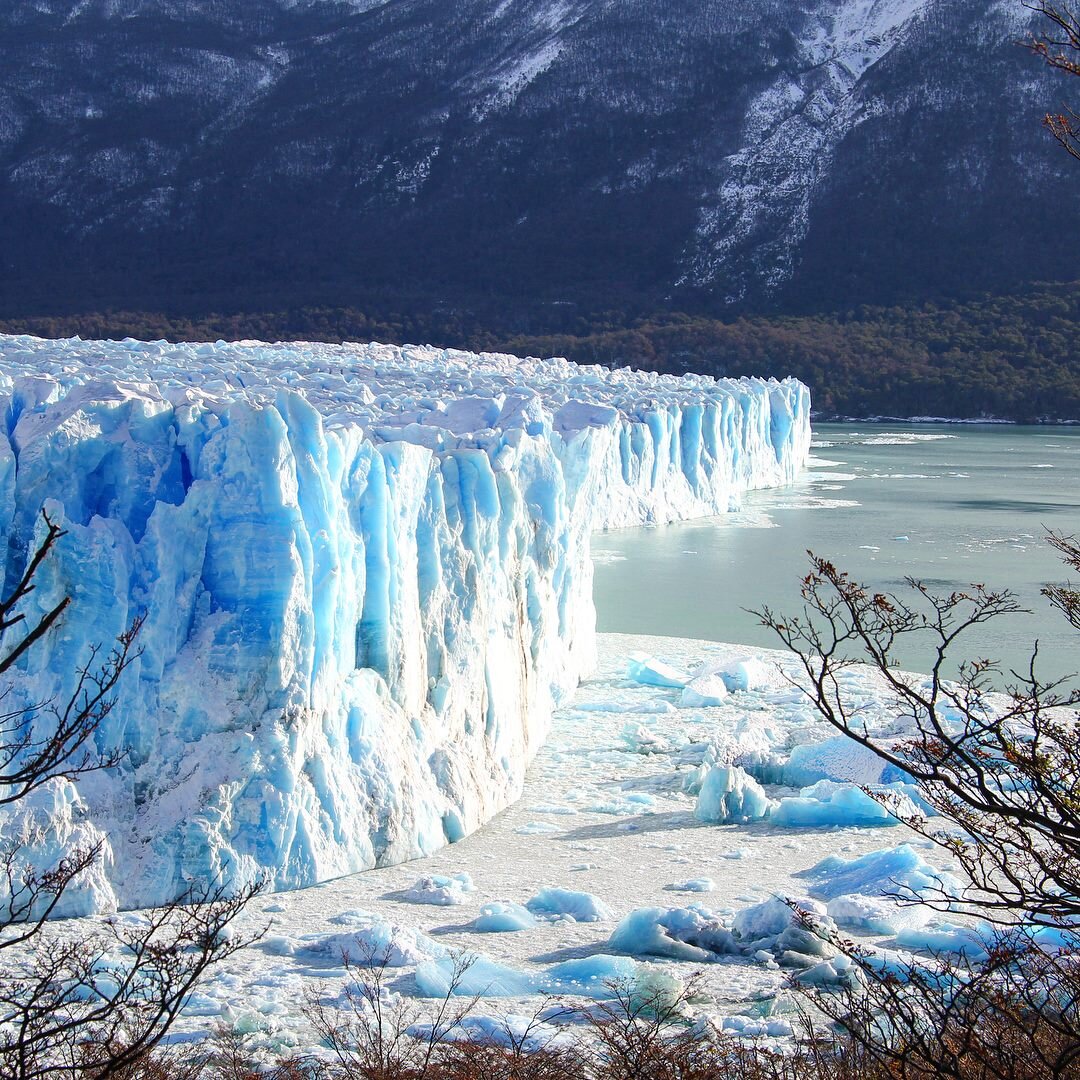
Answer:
(947, 504)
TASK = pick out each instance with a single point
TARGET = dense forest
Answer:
(1013, 357)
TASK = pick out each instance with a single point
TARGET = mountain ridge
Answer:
(159, 154)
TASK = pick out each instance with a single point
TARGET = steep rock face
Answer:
(837, 151)
(365, 575)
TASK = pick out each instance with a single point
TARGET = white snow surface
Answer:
(364, 570)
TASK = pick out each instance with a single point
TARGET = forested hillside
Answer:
(1015, 357)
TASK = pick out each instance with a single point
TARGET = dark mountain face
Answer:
(258, 153)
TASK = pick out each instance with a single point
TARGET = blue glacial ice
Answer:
(365, 573)
(840, 759)
(882, 892)
(648, 671)
(503, 917)
(730, 796)
(900, 871)
(778, 926)
(691, 933)
(566, 903)
(830, 803)
(597, 976)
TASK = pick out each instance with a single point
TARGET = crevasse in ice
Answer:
(365, 573)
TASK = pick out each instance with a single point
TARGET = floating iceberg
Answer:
(692, 933)
(900, 871)
(579, 906)
(503, 917)
(729, 795)
(365, 573)
(828, 803)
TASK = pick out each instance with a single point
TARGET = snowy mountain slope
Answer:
(365, 573)
(175, 152)
(786, 147)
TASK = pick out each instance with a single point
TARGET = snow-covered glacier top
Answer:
(386, 389)
(364, 572)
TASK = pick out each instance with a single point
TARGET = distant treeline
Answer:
(1012, 357)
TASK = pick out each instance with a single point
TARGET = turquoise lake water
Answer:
(947, 504)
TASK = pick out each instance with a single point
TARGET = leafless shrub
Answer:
(383, 1035)
(1059, 46)
(1004, 782)
(95, 1005)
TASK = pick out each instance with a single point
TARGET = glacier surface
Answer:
(364, 570)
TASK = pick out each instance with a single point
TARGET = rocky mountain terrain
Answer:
(767, 155)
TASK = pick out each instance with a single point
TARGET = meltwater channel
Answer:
(947, 504)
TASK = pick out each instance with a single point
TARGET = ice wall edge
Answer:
(365, 573)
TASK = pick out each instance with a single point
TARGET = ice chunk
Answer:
(598, 976)
(537, 828)
(838, 758)
(777, 926)
(369, 940)
(729, 795)
(973, 942)
(641, 740)
(751, 1027)
(476, 976)
(829, 803)
(692, 933)
(876, 914)
(579, 906)
(649, 671)
(704, 691)
(702, 884)
(500, 917)
(836, 971)
(749, 673)
(899, 871)
(441, 890)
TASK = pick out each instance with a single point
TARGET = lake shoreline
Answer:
(830, 418)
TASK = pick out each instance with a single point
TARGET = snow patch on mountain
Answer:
(537, 46)
(752, 225)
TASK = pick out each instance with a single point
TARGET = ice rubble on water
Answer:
(364, 569)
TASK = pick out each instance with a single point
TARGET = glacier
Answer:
(364, 572)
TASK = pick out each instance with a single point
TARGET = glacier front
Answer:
(365, 577)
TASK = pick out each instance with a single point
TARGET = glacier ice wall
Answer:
(365, 573)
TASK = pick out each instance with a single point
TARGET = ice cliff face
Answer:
(365, 574)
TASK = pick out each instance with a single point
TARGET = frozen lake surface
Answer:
(948, 504)
(605, 812)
